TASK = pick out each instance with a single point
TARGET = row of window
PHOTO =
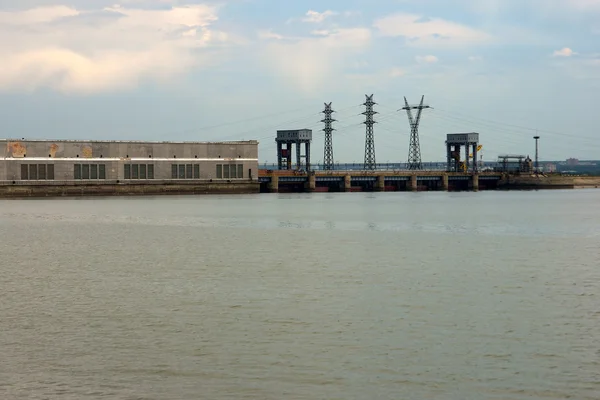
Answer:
(89, 171)
(37, 171)
(185, 171)
(227, 171)
(131, 171)
(138, 171)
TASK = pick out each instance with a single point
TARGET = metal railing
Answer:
(427, 166)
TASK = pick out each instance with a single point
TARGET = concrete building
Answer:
(189, 165)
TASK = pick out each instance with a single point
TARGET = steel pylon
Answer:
(369, 137)
(328, 153)
(414, 148)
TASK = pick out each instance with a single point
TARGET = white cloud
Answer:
(106, 49)
(316, 17)
(475, 58)
(309, 61)
(426, 59)
(421, 31)
(564, 52)
(269, 34)
(397, 72)
(583, 4)
(36, 15)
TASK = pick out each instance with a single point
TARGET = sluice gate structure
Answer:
(274, 181)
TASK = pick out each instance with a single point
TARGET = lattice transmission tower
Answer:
(414, 148)
(369, 138)
(328, 120)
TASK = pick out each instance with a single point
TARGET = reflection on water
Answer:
(353, 296)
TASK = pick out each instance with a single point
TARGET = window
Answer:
(24, 172)
(94, 171)
(184, 171)
(37, 171)
(33, 171)
(230, 171)
(127, 174)
(82, 171)
(139, 171)
(150, 171)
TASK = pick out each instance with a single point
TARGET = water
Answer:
(490, 295)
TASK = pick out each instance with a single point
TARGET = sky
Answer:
(242, 69)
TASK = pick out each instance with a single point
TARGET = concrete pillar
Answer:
(448, 157)
(413, 183)
(289, 155)
(380, 184)
(279, 155)
(347, 183)
(445, 182)
(274, 185)
(307, 153)
(298, 155)
(311, 184)
(475, 178)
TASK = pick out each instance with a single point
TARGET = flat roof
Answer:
(124, 141)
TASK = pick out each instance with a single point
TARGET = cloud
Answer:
(564, 52)
(475, 58)
(585, 5)
(421, 31)
(84, 51)
(269, 34)
(397, 72)
(316, 17)
(309, 61)
(426, 59)
(36, 15)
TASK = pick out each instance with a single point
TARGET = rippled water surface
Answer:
(490, 295)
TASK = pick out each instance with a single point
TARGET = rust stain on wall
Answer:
(53, 150)
(87, 151)
(16, 149)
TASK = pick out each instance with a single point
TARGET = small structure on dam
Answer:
(290, 138)
(61, 167)
(454, 143)
(515, 164)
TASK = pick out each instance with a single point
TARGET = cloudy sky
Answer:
(241, 69)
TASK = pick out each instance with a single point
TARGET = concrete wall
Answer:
(548, 182)
(111, 188)
(114, 155)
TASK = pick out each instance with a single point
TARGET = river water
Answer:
(489, 295)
